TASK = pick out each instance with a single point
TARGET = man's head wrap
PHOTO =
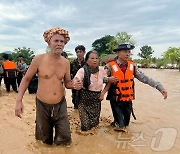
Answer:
(48, 34)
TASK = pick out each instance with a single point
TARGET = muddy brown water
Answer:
(156, 129)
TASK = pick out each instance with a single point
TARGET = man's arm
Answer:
(109, 78)
(145, 79)
(24, 84)
(106, 88)
(71, 84)
(67, 78)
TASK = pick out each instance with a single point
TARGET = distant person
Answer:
(33, 84)
(21, 67)
(1, 70)
(64, 54)
(90, 95)
(75, 66)
(10, 73)
(121, 93)
(51, 106)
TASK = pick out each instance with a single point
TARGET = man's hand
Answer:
(113, 79)
(77, 84)
(164, 93)
(19, 109)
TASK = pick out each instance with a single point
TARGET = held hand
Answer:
(19, 109)
(164, 93)
(101, 96)
(77, 84)
(113, 79)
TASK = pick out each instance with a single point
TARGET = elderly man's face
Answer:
(57, 43)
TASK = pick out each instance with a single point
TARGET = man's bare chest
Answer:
(51, 71)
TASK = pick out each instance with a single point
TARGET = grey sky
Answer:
(150, 22)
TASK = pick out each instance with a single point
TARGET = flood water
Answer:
(158, 119)
(156, 129)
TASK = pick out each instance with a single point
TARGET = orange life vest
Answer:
(125, 86)
(10, 69)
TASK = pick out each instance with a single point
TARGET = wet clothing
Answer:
(49, 116)
(89, 109)
(89, 103)
(122, 112)
(74, 67)
(122, 109)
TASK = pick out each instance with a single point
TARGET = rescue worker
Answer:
(74, 67)
(121, 92)
(10, 73)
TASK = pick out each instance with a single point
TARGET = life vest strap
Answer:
(126, 88)
(123, 81)
(127, 95)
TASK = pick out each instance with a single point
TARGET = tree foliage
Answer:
(146, 52)
(68, 53)
(121, 37)
(101, 45)
(172, 55)
(108, 43)
(27, 53)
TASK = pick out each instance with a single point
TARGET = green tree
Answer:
(27, 53)
(101, 45)
(146, 55)
(161, 62)
(172, 55)
(121, 37)
(146, 52)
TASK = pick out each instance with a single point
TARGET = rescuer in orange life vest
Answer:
(121, 92)
(10, 73)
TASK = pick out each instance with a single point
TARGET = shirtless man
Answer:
(51, 106)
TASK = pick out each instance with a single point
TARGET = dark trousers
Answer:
(10, 82)
(19, 78)
(121, 112)
(75, 98)
(49, 116)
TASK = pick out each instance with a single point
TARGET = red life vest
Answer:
(125, 86)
